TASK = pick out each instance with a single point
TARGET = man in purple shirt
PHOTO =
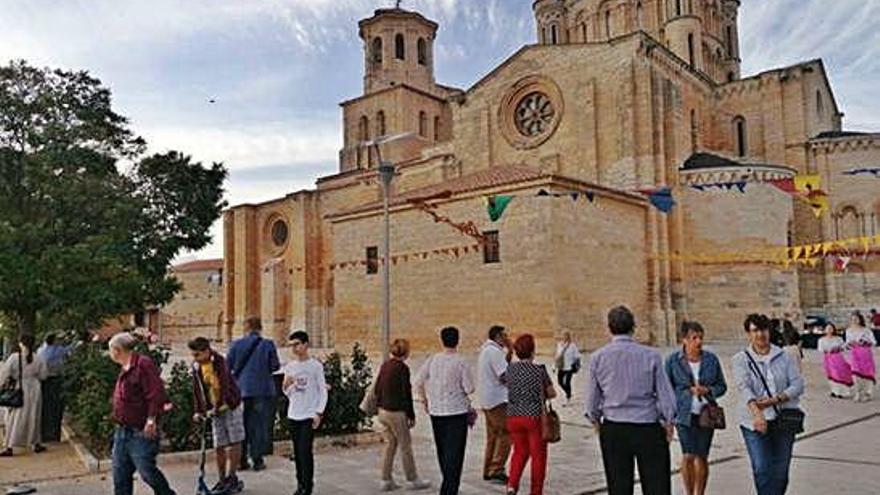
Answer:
(138, 401)
(632, 406)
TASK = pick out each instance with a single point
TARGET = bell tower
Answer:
(398, 49)
(551, 18)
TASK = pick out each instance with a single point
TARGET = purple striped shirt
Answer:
(628, 384)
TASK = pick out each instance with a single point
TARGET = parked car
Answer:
(814, 329)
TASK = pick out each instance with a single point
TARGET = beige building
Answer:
(614, 96)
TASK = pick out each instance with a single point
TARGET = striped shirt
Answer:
(446, 380)
(628, 384)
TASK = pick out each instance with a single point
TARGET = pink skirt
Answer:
(837, 369)
(863, 362)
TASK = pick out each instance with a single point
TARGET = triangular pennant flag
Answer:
(741, 186)
(728, 186)
(590, 196)
(819, 204)
(699, 187)
(826, 246)
(575, 196)
(807, 183)
(661, 198)
(796, 252)
(543, 192)
(496, 206)
(784, 185)
(455, 251)
(842, 262)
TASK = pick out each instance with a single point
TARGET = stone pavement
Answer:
(840, 454)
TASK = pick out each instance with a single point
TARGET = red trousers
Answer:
(525, 434)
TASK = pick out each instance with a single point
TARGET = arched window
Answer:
(554, 34)
(728, 40)
(691, 55)
(694, 131)
(437, 128)
(423, 124)
(584, 31)
(423, 51)
(364, 129)
(677, 8)
(731, 76)
(608, 24)
(543, 35)
(399, 47)
(380, 124)
(820, 103)
(640, 16)
(740, 133)
(376, 50)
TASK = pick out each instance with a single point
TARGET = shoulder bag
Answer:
(551, 428)
(789, 419)
(711, 415)
(12, 395)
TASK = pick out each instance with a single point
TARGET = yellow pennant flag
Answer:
(866, 244)
(827, 246)
(807, 183)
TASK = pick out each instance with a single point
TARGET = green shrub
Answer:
(347, 386)
(178, 427)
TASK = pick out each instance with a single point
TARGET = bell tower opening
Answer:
(399, 45)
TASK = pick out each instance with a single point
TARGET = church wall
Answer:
(854, 212)
(721, 293)
(600, 260)
(428, 294)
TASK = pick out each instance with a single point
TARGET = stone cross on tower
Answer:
(397, 4)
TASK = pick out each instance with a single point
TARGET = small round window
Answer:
(534, 114)
(279, 232)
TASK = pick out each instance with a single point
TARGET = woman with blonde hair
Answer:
(396, 413)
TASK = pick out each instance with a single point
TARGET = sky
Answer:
(276, 70)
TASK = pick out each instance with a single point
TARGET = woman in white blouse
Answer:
(568, 362)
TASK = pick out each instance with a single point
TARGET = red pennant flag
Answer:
(785, 185)
(455, 252)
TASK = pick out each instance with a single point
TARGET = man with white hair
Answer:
(138, 401)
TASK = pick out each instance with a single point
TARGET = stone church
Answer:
(614, 96)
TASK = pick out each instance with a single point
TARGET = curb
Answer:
(282, 448)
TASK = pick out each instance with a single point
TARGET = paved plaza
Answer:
(839, 453)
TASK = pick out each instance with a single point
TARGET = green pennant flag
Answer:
(495, 205)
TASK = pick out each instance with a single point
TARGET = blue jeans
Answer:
(770, 455)
(132, 451)
(259, 414)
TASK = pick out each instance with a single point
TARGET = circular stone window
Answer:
(279, 233)
(530, 112)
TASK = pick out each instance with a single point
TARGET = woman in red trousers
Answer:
(528, 386)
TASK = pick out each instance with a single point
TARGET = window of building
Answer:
(423, 51)
(492, 247)
(399, 47)
(380, 124)
(820, 104)
(279, 233)
(364, 129)
(554, 34)
(377, 50)
(584, 31)
(677, 8)
(740, 132)
(543, 35)
(608, 24)
(728, 40)
(437, 128)
(731, 76)
(694, 131)
(691, 55)
(640, 16)
(372, 260)
(423, 124)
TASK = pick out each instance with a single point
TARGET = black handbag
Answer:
(12, 395)
(790, 419)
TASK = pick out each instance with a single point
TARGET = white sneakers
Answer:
(417, 484)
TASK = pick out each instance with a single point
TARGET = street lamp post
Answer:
(386, 175)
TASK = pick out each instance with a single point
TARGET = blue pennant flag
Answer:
(661, 198)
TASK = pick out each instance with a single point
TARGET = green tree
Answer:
(88, 222)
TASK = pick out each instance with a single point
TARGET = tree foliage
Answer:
(88, 222)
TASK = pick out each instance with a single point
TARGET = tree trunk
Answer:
(27, 321)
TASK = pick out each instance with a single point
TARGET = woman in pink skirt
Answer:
(837, 370)
(860, 341)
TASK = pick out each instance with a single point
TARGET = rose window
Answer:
(279, 233)
(534, 114)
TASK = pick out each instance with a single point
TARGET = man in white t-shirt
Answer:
(306, 389)
(492, 394)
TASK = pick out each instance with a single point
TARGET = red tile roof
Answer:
(199, 266)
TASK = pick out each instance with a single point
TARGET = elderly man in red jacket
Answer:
(217, 398)
(138, 401)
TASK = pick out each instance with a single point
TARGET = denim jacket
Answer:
(681, 377)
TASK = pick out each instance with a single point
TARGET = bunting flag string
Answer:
(496, 204)
(806, 188)
(739, 185)
(451, 252)
(465, 228)
(875, 171)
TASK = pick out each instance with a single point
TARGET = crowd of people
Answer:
(635, 399)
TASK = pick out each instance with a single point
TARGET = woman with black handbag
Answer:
(23, 423)
(770, 387)
(696, 377)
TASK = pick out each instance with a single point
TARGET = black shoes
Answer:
(497, 478)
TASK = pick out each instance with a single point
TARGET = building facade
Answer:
(615, 96)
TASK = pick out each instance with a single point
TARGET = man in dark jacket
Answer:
(217, 397)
